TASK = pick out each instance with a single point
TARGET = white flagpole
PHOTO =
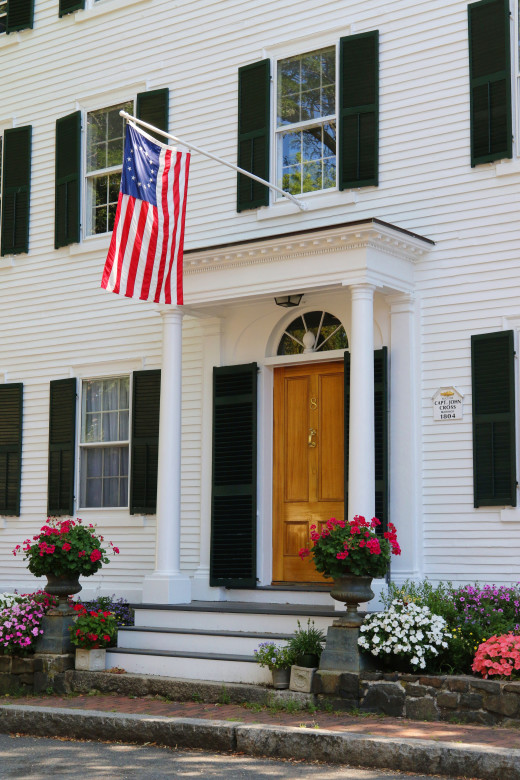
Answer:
(302, 206)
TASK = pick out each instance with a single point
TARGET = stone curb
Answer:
(405, 755)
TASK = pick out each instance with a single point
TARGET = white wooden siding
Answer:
(53, 313)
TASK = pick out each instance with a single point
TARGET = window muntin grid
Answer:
(104, 442)
(306, 122)
(105, 143)
(327, 330)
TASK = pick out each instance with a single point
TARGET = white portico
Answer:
(375, 261)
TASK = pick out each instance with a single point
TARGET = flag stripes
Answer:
(145, 256)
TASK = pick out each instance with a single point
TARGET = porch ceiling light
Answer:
(288, 301)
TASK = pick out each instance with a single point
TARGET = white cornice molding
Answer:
(383, 238)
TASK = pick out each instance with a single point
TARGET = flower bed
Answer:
(446, 629)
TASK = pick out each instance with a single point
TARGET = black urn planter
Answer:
(353, 589)
(63, 586)
(57, 622)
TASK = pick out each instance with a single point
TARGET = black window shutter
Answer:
(68, 6)
(152, 107)
(20, 15)
(490, 80)
(62, 447)
(233, 504)
(358, 110)
(67, 182)
(493, 389)
(380, 433)
(254, 90)
(146, 400)
(16, 187)
(11, 410)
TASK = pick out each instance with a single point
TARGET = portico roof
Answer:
(368, 250)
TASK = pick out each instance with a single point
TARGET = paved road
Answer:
(29, 758)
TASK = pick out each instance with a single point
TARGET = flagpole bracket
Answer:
(287, 195)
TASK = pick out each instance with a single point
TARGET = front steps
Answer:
(212, 640)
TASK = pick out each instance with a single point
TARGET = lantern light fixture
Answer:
(288, 301)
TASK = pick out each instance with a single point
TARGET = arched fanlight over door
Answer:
(314, 331)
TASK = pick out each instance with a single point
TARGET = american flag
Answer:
(145, 256)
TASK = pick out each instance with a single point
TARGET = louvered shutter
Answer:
(493, 389)
(16, 190)
(380, 432)
(68, 6)
(254, 83)
(358, 110)
(146, 399)
(152, 107)
(490, 80)
(233, 510)
(67, 182)
(62, 447)
(11, 407)
(20, 15)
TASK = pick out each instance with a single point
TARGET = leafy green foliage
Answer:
(92, 629)
(473, 614)
(274, 656)
(307, 641)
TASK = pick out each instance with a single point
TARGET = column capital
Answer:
(401, 302)
(362, 290)
(170, 313)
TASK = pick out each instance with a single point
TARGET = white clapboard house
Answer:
(355, 357)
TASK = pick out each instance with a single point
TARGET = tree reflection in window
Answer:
(327, 331)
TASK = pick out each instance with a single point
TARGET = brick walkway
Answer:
(369, 724)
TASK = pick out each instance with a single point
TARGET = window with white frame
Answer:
(3, 15)
(105, 143)
(104, 442)
(306, 122)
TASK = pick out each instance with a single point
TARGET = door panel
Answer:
(330, 449)
(308, 481)
(295, 435)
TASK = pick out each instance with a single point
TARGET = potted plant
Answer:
(306, 645)
(277, 658)
(62, 551)
(92, 632)
(352, 553)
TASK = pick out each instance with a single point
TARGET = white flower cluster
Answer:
(7, 600)
(405, 630)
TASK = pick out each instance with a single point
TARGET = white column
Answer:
(212, 335)
(404, 462)
(361, 473)
(166, 585)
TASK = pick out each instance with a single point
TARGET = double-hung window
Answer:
(306, 122)
(3, 16)
(105, 143)
(104, 442)
(89, 163)
(326, 118)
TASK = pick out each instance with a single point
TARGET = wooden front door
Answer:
(308, 475)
